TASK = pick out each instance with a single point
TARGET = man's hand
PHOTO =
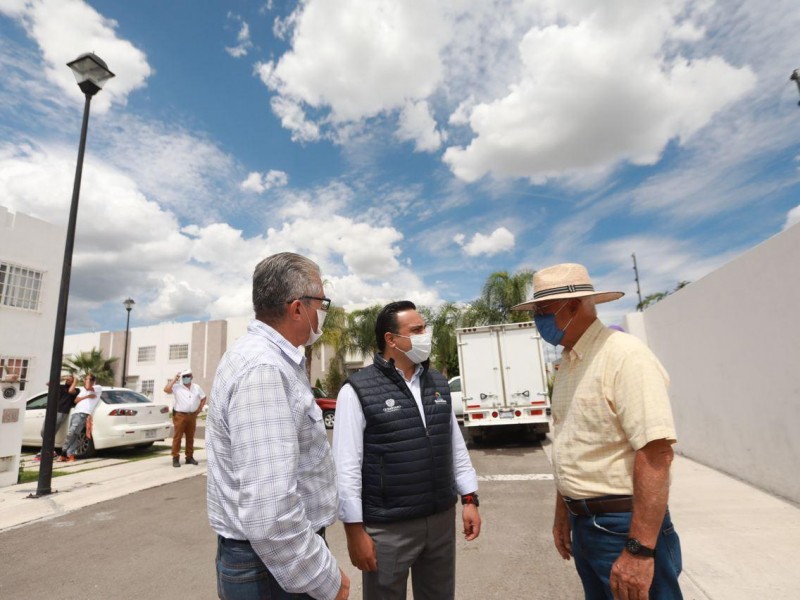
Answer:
(631, 577)
(361, 547)
(344, 589)
(472, 522)
(562, 529)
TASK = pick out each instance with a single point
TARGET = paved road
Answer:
(157, 543)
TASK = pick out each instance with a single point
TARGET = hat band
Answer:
(567, 289)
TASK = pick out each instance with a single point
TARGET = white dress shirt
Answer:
(271, 478)
(348, 449)
(187, 399)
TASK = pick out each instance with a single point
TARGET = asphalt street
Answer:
(157, 543)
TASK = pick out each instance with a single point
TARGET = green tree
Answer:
(82, 363)
(361, 331)
(500, 292)
(444, 354)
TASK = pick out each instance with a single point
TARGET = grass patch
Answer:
(31, 476)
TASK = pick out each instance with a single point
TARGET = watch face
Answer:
(633, 546)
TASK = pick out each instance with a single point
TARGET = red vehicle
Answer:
(328, 406)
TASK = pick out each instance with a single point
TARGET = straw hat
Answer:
(564, 281)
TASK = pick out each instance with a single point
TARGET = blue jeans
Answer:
(242, 576)
(77, 424)
(597, 542)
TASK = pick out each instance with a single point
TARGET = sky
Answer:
(409, 148)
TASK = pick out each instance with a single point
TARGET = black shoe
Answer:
(176, 462)
(190, 461)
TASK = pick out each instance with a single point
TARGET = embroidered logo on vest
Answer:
(391, 406)
(437, 399)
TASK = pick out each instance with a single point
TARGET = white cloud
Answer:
(418, 126)
(259, 183)
(594, 90)
(500, 240)
(64, 29)
(792, 217)
(244, 43)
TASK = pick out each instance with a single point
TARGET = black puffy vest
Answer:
(407, 470)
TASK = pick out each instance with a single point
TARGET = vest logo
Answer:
(437, 399)
(391, 406)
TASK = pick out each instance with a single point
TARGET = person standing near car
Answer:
(189, 401)
(401, 464)
(79, 423)
(271, 478)
(612, 444)
(66, 400)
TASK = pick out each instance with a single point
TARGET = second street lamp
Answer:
(91, 72)
(128, 306)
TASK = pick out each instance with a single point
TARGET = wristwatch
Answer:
(635, 547)
(470, 499)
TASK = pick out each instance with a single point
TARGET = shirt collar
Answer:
(586, 340)
(414, 376)
(294, 353)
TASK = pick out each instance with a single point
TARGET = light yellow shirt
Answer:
(609, 400)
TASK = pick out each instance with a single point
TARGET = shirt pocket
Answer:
(590, 419)
(314, 413)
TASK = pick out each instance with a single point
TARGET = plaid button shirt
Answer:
(271, 478)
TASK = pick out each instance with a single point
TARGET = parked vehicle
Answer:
(503, 379)
(328, 406)
(121, 418)
(455, 397)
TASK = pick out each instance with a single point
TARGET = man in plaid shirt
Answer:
(271, 478)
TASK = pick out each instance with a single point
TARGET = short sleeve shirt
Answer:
(609, 400)
(87, 406)
(187, 399)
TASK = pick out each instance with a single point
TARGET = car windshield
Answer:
(124, 397)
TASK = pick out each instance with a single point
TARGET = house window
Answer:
(15, 367)
(178, 351)
(147, 353)
(148, 386)
(19, 286)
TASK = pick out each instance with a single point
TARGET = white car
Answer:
(121, 418)
(455, 397)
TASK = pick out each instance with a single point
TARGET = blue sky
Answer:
(410, 148)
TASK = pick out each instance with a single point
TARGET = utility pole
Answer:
(638, 291)
(796, 78)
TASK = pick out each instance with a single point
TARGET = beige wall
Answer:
(731, 344)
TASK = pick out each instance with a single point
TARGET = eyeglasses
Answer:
(547, 309)
(326, 302)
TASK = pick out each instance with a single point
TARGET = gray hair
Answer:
(282, 278)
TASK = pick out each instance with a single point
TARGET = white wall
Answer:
(731, 344)
(29, 242)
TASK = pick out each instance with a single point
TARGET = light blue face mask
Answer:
(186, 380)
(546, 325)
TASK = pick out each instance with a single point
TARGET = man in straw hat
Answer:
(612, 445)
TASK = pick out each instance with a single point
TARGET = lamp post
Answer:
(128, 306)
(796, 78)
(91, 72)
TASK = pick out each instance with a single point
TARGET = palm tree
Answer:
(83, 363)
(500, 292)
(361, 331)
(444, 354)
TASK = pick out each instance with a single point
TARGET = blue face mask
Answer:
(186, 380)
(546, 324)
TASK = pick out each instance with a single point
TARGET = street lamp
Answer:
(796, 78)
(128, 306)
(91, 72)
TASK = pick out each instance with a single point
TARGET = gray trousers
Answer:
(60, 418)
(426, 547)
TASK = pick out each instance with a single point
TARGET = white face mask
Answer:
(420, 347)
(315, 335)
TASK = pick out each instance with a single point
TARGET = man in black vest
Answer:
(401, 465)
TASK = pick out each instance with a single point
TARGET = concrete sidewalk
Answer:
(738, 542)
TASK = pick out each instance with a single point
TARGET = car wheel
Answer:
(85, 446)
(328, 417)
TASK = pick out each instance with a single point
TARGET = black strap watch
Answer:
(635, 547)
(470, 499)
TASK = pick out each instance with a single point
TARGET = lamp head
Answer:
(91, 72)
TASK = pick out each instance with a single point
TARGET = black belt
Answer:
(233, 542)
(180, 412)
(599, 506)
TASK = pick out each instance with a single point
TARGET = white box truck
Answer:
(503, 380)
